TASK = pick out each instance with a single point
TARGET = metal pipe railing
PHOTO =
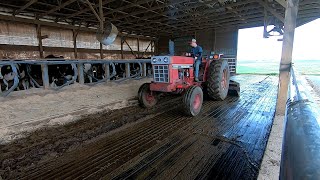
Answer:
(15, 81)
(78, 71)
(301, 144)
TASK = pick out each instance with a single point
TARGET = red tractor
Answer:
(175, 75)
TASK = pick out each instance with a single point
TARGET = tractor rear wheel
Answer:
(192, 101)
(146, 97)
(218, 80)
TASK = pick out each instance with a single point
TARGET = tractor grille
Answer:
(161, 73)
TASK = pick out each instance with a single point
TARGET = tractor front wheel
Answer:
(218, 80)
(146, 97)
(192, 101)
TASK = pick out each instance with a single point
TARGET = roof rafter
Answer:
(24, 7)
(85, 10)
(271, 10)
(58, 7)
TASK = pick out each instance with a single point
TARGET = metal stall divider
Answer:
(77, 67)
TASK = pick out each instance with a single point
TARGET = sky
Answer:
(252, 45)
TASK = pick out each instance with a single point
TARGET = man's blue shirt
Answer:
(197, 52)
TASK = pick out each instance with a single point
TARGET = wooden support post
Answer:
(215, 40)
(266, 23)
(122, 47)
(40, 40)
(44, 67)
(286, 57)
(138, 44)
(144, 69)
(157, 47)
(107, 71)
(101, 15)
(45, 76)
(171, 47)
(127, 70)
(75, 34)
(101, 26)
(81, 73)
(152, 48)
(101, 51)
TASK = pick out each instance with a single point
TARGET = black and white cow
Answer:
(7, 76)
(120, 69)
(59, 74)
(88, 72)
(149, 66)
(93, 72)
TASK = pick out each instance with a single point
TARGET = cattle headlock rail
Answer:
(97, 71)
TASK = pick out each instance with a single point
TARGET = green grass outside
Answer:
(309, 67)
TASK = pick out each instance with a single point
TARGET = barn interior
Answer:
(92, 130)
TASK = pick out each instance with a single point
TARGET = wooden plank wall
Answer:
(20, 41)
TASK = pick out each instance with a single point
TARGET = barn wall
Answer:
(227, 42)
(206, 39)
(181, 45)
(163, 45)
(19, 41)
(222, 42)
(18, 34)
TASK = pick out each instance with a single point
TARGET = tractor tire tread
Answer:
(187, 98)
(213, 82)
(141, 90)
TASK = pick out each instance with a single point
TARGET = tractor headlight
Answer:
(166, 59)
(154, 60)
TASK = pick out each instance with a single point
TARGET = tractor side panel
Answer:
(162, 87)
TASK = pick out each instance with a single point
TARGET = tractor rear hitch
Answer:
(234, 88)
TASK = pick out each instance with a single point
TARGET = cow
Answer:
(7, 76)
(59, 74)
(35, 75)
(88, 71)
(120, 69)
(92, 72)
(149, 66)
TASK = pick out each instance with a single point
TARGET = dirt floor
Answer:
(226, 141)
(25, 111)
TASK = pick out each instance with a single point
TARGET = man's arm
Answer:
(191, 53)
(199, 54)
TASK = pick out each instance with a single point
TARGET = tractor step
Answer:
(234, 88)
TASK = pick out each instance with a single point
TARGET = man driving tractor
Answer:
(178, 75)
(196, 53)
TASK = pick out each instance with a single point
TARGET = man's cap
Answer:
(193, 41)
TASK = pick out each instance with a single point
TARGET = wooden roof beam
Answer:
(58, 7)
(283, 3)
(24, 7)
(85, 10)
(93, 10)
(271, 10)
(173, 2)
